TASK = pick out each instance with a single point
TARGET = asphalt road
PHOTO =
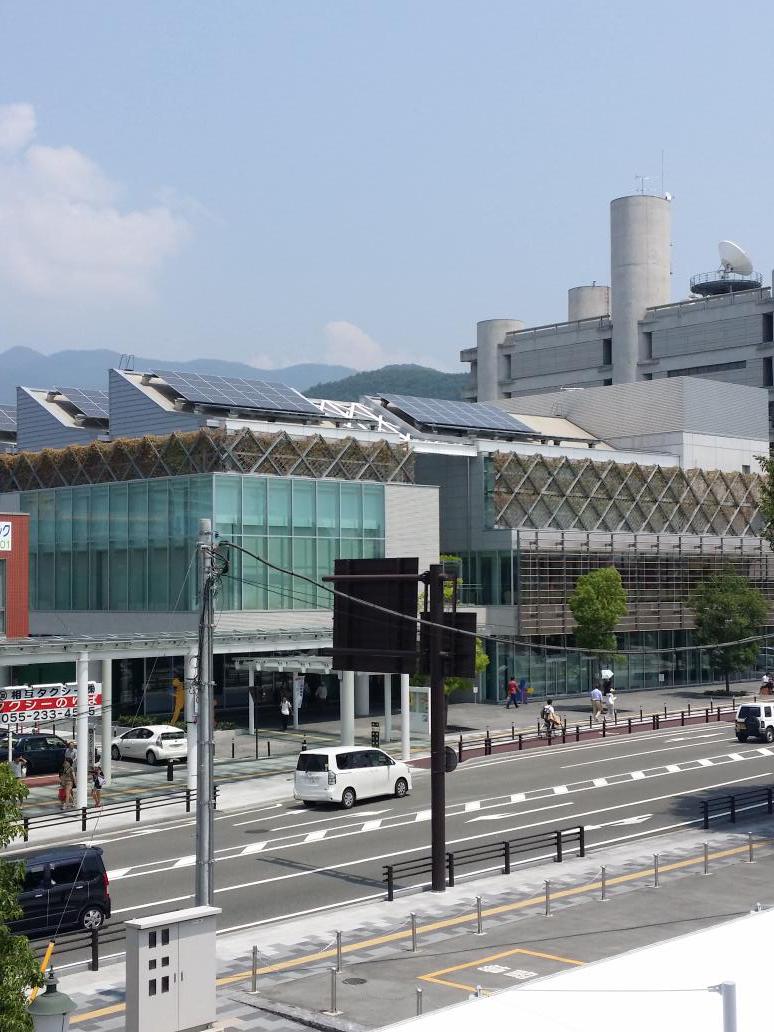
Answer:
(280, 859)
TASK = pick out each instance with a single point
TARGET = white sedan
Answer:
(156, 743)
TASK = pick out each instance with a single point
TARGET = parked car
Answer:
(156, 743)
(64, 887)
(344, 775)
(755, 721)
(44, 754)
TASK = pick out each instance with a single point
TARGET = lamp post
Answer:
(51, 1010)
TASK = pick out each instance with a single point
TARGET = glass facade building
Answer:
(131, 546)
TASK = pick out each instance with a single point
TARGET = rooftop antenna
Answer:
(662, 171)
(643, 180)
(126, 362)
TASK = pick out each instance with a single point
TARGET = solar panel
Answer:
(7, 417)
(456, 415)
(92, 403)
(234, 392)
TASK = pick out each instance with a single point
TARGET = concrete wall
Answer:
(588, 302)
(490, 335)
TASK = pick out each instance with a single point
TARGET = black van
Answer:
(64, 887)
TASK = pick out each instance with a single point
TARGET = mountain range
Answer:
(81, 368)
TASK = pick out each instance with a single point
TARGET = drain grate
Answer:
(356, 981)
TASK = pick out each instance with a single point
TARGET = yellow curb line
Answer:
(434, 976)
(448, 922)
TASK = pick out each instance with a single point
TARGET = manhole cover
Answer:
(356, 981)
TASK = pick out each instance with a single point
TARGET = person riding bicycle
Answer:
(549, 717)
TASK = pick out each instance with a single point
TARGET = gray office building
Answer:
(631, 330)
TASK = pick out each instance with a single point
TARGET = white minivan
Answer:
(344, 774)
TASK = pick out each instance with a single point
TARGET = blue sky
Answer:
(358, 182)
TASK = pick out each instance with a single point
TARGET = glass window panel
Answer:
(230, 591)
(280, 586)
(46, 519)
(327, 509)
(228, 505)
(351, 510)
(254, 575)
(64, 519)
(178, 492)
(81, 517)
(253, 505)
(351, 548)
(373, 548)
(279, 506)
(158, 551)
(99, 516)
(200, 503)
(327, 553)
(28, 502)
(304, 507)
(373, 510)
(62, 591)
(46, 576)
(305, 563)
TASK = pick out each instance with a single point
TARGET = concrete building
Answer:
(633, 331)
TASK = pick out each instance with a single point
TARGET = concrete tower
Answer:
(639, 274)
(589, 302)
(490, 336)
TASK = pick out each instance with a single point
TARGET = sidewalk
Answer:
(296, 956)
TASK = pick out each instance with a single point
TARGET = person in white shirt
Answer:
(596, 702)
(609, 700)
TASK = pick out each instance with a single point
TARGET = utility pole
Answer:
(205, 733)
(435, 580)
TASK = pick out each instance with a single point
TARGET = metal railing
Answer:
(80, 939)
(501, 851)
(732, 804)
(514, 738)
(84, 814)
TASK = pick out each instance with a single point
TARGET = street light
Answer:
(50, 1012)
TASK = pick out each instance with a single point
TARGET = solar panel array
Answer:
(235, 393)
(91, 402)
(7, 417)
(456, 415)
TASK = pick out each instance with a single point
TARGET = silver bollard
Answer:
(479, 918)
(254, 972)
(603, 897)
(751, 857)
(419, 1001)
(706, 857)
(338, 952)
(655, 870)
(727, 991)
(334, 1009)
(479, 994)
(414, 935)
(548, 899)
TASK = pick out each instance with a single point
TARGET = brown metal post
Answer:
(437, 729)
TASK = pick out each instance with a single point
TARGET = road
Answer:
(280, 859)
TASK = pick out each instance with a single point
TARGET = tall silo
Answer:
(490, 336)
(639, 274)
(588, 302)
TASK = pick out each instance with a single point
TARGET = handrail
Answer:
(730, 803)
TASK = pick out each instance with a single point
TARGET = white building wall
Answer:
(412, 522)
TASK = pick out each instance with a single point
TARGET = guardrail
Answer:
(746, 799)
(85, 814)
(503, 851)
(618, 725)
(80, 939)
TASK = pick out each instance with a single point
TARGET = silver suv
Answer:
(755, 721)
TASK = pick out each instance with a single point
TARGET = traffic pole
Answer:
(205, 860)
(434, 583)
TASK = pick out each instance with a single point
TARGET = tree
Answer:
(728, 608)
(767, 497)
(598, 603)
(18, 967)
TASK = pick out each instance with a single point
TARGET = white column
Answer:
(405, 718)
(107, 717)
(387, 678)
(82, 736)
(347, 706)
(298, 694)
(190, 718)
(250, 699)
(362, 695)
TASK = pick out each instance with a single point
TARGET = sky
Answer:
(359, 182)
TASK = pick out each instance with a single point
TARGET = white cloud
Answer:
(347, 344)
(62, 234)
(17, 126)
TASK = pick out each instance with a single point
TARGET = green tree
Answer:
(767, 497)
(598, 603)
(19, 969)
(728, 608)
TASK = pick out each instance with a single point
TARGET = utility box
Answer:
(170, 971)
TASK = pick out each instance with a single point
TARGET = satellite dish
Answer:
(733, 258)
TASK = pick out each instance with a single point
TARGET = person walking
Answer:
(609, 700)
(512, 693)
(285, 711)
(71, 753)
(97, 784)
(66, 785)
(596, 703)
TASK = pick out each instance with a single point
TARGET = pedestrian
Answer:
(71, 753)
(609, 700)
(322, 693)
(97, 784)
(596, 702)
(19, 767)
(550, 717)
(512, 693)
(285, 711)
(66, 785)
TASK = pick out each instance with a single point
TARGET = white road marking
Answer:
(510, 816)
(600, 782)
(624, 820)
(560, 790)
(118, 873)
(315, 836)
(423, 815)
(372, 825)
(518, 797)
(673, 768)
(185, 861)
(254, 847)
(704, 762)
(637, 775)
(634, 755)
(473, 805)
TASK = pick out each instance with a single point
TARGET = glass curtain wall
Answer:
(131, 546)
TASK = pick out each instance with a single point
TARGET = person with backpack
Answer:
(97, 784)
(549, 717)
